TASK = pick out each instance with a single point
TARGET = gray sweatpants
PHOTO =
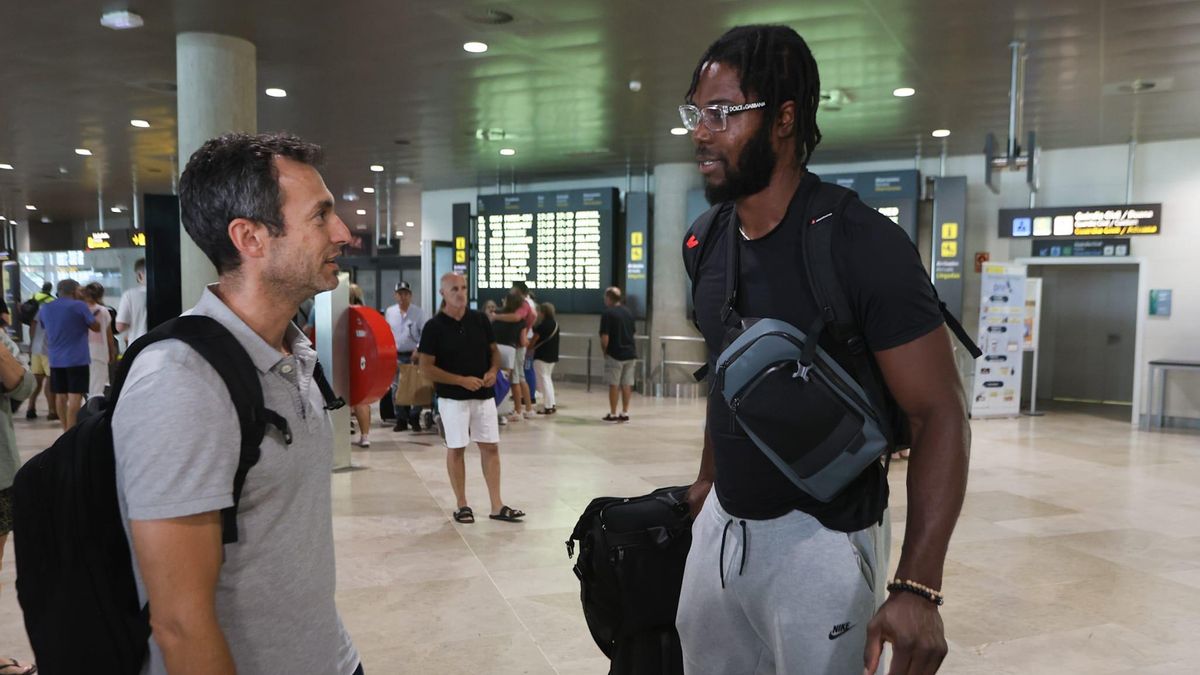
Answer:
(784, 596)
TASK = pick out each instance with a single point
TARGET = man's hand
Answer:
(696, 495)
(470, 383)
(914, 627)
(489, 378)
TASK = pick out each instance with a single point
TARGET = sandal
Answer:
(464, 515)
(610, 418)
(8, 668)
(509, 515)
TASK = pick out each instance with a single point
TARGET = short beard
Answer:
(755, 165)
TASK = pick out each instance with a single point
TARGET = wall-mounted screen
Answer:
(559, 242)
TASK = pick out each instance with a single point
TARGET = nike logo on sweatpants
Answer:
(840, 630)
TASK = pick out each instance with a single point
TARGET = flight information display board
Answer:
(560, 243)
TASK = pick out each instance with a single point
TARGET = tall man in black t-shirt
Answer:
(620, 354)
(778, 581)
(458, 352)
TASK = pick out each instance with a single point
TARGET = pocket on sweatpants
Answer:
(862, 547)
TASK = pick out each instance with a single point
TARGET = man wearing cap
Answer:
(407, 322)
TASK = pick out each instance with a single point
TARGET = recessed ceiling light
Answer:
(121, 20)
(361, 212)
(377, 168)
(903, 92)
(475, 47)
(83, 152)
(6, 167)
(115, 209)
(369, 190)
(46, 219)
(403, 180)
(635, 85)
(507, 152)
(679, 131)
(141, 124)
(399, 233)
(30, 207)
(3, 219)
(408, 223)
(941, 133)
(275, 92)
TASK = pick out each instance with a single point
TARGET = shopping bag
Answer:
(412, 388)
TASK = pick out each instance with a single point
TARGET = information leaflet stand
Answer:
(997, 390)
(1033, 336)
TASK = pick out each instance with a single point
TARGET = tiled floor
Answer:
(1078, 551)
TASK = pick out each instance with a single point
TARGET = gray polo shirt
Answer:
(176, 439)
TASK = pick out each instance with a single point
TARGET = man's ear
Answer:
(785, 121)
(249, 237)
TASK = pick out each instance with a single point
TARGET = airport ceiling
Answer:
(388, 82)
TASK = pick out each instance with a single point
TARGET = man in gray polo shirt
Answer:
(260, 211)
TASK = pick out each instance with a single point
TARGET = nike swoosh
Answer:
(693, 242)
(839, 631)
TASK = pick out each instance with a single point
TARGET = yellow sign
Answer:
(949, 249)
(460, 244)
(138, 238)
(98, 240)
(635, 238)
(635, 253)
(460, 256)
(949, 230)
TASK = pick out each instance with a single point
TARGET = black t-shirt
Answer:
(547, 346)
(508, 332)
(462, 348)
(617, 323)
(893, 303)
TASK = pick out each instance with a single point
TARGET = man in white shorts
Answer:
(458, 353)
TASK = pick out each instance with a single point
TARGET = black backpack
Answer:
(75, 578)
(820, 239)
(632, 552)
(27, 311)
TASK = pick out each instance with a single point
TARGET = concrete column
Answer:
(670, 288)
(217, 80)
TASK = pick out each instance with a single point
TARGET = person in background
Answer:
(39, 361)
(517, 311)
(102, 345)
(131, 312)
(459, 354)
(5, 316)
(407, 321)
(362, 413)
(489, 308)
(508, 337)
(545, 356)
(16, 384)
(67, 321)
(617, 327)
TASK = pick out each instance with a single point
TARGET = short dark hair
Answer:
(139, 267)
(521, 286)
(774, 64)
(95, 291)
(67, 287)
(234, 176)
(47, 287)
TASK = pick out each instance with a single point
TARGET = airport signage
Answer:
(1081, 248)
(106, 239)
(1081, 221)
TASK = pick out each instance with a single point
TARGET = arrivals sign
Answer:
(1082, 221)
(104, 239)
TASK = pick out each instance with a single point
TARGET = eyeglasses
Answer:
(714, 117)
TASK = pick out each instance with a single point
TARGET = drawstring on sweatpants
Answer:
(721, 561)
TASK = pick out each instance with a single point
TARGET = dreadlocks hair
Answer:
(776, 65)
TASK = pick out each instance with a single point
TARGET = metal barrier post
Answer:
(589, 366)
(662, 369)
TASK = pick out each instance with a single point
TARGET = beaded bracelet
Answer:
(913, 587)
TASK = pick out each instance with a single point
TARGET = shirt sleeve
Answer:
(176, 452)
(604, 324)
(428, 343)
(887, 285)
(125, 309)
(86, 314)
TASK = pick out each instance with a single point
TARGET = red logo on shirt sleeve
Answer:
(693, 242)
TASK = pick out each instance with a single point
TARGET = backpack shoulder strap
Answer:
(226, 355)
(824, 219)
(695, 243)
(332, 400)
